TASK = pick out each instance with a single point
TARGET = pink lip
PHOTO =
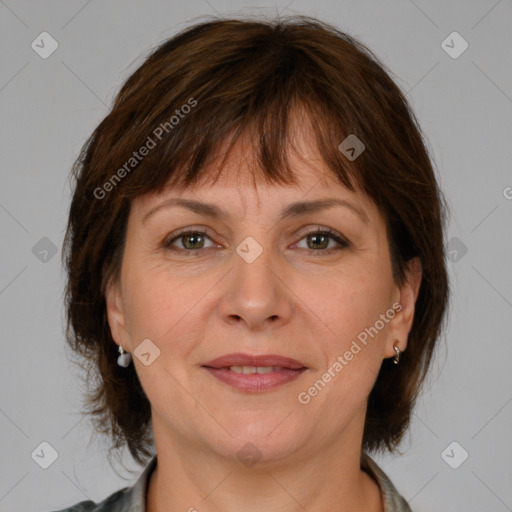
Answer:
(251, 360)
(255, 382)
(290, 369)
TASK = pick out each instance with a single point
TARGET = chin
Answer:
(264, 439)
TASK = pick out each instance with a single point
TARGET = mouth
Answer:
(255, 374)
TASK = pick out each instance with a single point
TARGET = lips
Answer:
(269, 360)
(254, 374)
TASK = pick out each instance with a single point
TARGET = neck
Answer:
(192, 479)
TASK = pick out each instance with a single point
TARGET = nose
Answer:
(256, 293)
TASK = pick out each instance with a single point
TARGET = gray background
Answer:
(49, 107)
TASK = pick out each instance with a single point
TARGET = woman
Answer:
(256, 271)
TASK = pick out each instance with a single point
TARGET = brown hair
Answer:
(238, 76)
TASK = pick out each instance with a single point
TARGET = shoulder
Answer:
(116, 502)
(128, 499)
(83, 506)
(392, 500)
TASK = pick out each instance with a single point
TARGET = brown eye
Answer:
(318, 241)
(324, 241)
(188, 241)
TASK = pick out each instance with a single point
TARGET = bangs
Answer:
(265, 98)
(197, 151)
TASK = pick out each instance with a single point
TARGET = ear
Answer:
(401, 324)
(116, 315)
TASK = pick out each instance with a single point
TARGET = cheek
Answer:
(354, 355)
(357, 314)
(354, 302)
(161, 304)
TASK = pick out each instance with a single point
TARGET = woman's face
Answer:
(257, 281)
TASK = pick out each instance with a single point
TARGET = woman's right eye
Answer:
(189, 241)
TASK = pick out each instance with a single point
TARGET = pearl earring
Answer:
(124, 358)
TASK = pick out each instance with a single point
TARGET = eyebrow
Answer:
(296, 209)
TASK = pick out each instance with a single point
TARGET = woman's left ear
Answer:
(401, 324)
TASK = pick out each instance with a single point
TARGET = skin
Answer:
(293, 300)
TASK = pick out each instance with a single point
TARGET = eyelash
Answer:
(343, 243)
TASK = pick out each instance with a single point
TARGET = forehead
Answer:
(233, 177)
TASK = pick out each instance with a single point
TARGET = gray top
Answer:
(133, 499)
